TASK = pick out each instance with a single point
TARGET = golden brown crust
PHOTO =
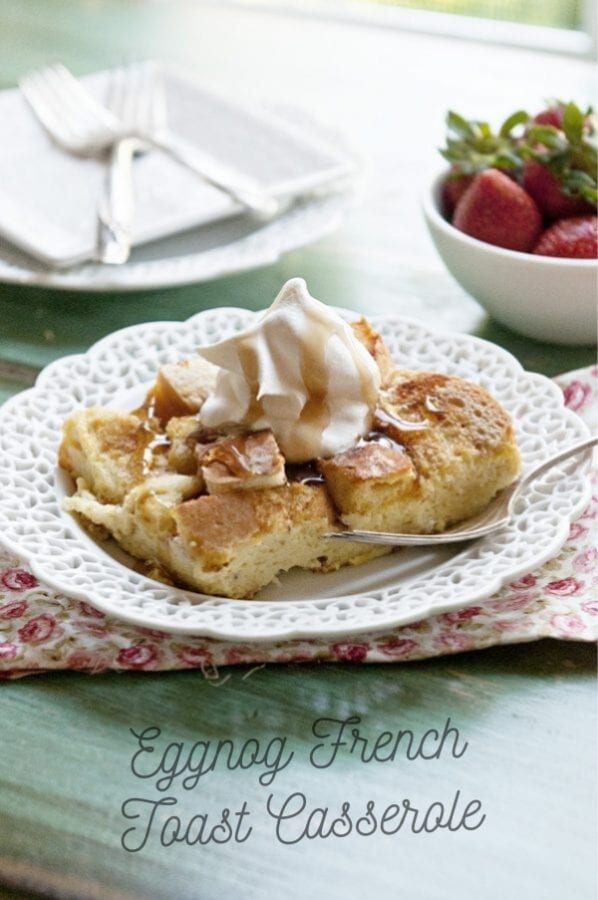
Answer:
(368, 461)
(181, 432)
(460, 448)
(215, 523)
(241, 461)
(375, 345)
(461, 418)
(181, 388)
(108, 448)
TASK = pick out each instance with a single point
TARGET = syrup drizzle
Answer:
(304, 473)
(383, 419)
(230, 455)
(380, 437)
(147, 410)
(430, 404)
(158, 446)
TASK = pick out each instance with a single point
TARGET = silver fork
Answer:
(84, 127)
(72, 118)
(135, 97)
(495, 516)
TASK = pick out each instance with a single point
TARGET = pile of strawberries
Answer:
(531, 187)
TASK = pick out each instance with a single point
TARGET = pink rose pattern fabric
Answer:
(41, 630)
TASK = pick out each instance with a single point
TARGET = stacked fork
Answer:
(137, 120)
(136, 98)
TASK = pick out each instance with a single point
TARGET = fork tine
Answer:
(71, 116)
(72, 125)
(134, 96)
(80, 99)
(32, 88)
(151, 113)
(61, 101)
(142, 96)
(115, 92)
(83, 116)
(157, 115)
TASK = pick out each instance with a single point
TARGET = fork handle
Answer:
(241, 188)
(534, 473)
(409, 540)
(117, 206)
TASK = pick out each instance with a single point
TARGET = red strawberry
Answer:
(453, 188)
(575, 238)
(551, 116)
(543, 185)
(498, 211)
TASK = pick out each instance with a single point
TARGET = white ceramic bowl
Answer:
(541, 297)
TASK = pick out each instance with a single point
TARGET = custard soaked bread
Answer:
(231, 542)
(445, 448)
(206, 485)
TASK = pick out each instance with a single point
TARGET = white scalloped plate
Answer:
(197, 255)
(395, 590)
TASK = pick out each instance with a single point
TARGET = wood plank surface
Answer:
(525, 712)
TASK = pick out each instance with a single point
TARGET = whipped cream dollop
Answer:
(300, 371)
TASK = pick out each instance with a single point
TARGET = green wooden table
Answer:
(70, 780)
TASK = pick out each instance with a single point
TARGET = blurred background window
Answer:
(565, 26)
(550, 13)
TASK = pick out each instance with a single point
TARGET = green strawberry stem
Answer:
(472, 146)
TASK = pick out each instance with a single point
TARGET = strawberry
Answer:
(553, 115)
(575, 238)
(498, 211)
(453, 188)
(559, 149)
(543, 185)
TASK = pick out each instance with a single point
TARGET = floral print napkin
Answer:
(41, 630)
